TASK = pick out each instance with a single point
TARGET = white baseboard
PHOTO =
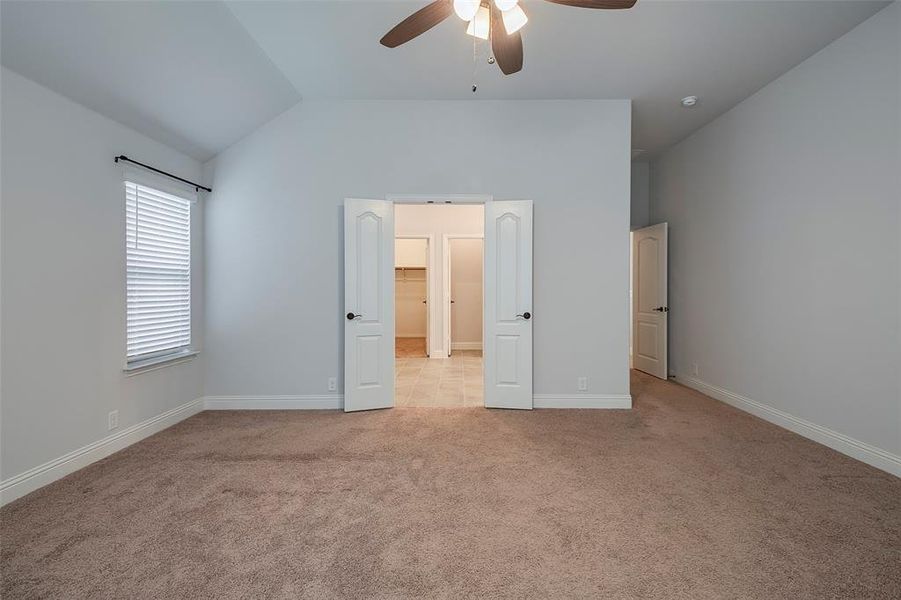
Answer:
(873, 456)
(32, 479)
(323, 402)
(582, 401)
(466, 346)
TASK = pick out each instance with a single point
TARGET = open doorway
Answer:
(438, 293)
(374, 376)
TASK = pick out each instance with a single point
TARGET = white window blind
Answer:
(158, 249)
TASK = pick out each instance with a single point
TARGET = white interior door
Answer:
(508, 304)
(649, 300)
(368, 304)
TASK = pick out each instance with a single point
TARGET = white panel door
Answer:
(368, 304)
(649, 300)
(508, 304)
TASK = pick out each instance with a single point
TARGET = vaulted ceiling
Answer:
(201, 75)
(184, 73)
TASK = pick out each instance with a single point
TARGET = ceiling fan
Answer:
(499, 20)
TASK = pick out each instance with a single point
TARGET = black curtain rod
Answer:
(155, 170)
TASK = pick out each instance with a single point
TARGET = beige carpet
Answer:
(682, 497)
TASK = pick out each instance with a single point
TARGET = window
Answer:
(158, 281)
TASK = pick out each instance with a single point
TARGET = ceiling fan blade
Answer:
(608, 4)
(507, 49)
(418, 23)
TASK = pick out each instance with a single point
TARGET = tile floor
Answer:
(439, 382)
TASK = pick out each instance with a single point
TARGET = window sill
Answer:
(159, 362)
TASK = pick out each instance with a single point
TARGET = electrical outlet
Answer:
(332, 384)
(113, 419)
(694, 369)
(583, 384)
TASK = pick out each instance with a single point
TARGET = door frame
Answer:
(446, 289)
(483, 199)
(448, 199)
(430, 269)
(439, 199)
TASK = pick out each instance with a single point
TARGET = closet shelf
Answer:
(409, 273)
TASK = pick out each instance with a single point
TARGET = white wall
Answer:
(438, 220)
(640, 217)
(784, 242)
(63, 267)
(466, 292)
(274, 229)
(641, 202)
(411, 252)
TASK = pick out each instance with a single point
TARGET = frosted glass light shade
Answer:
(505, 5)
(480, 26)
(466, 9)
(514, 19)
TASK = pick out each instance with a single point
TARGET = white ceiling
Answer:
(199, 76)
(656, 53)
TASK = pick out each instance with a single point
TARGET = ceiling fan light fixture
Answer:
(499, 22)
(466, 9)
(514, 19)
(480, 26)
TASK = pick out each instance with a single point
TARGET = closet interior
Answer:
(411, 285)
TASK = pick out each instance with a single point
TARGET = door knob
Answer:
(351, 316)
(662, 309)
(525, 315)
